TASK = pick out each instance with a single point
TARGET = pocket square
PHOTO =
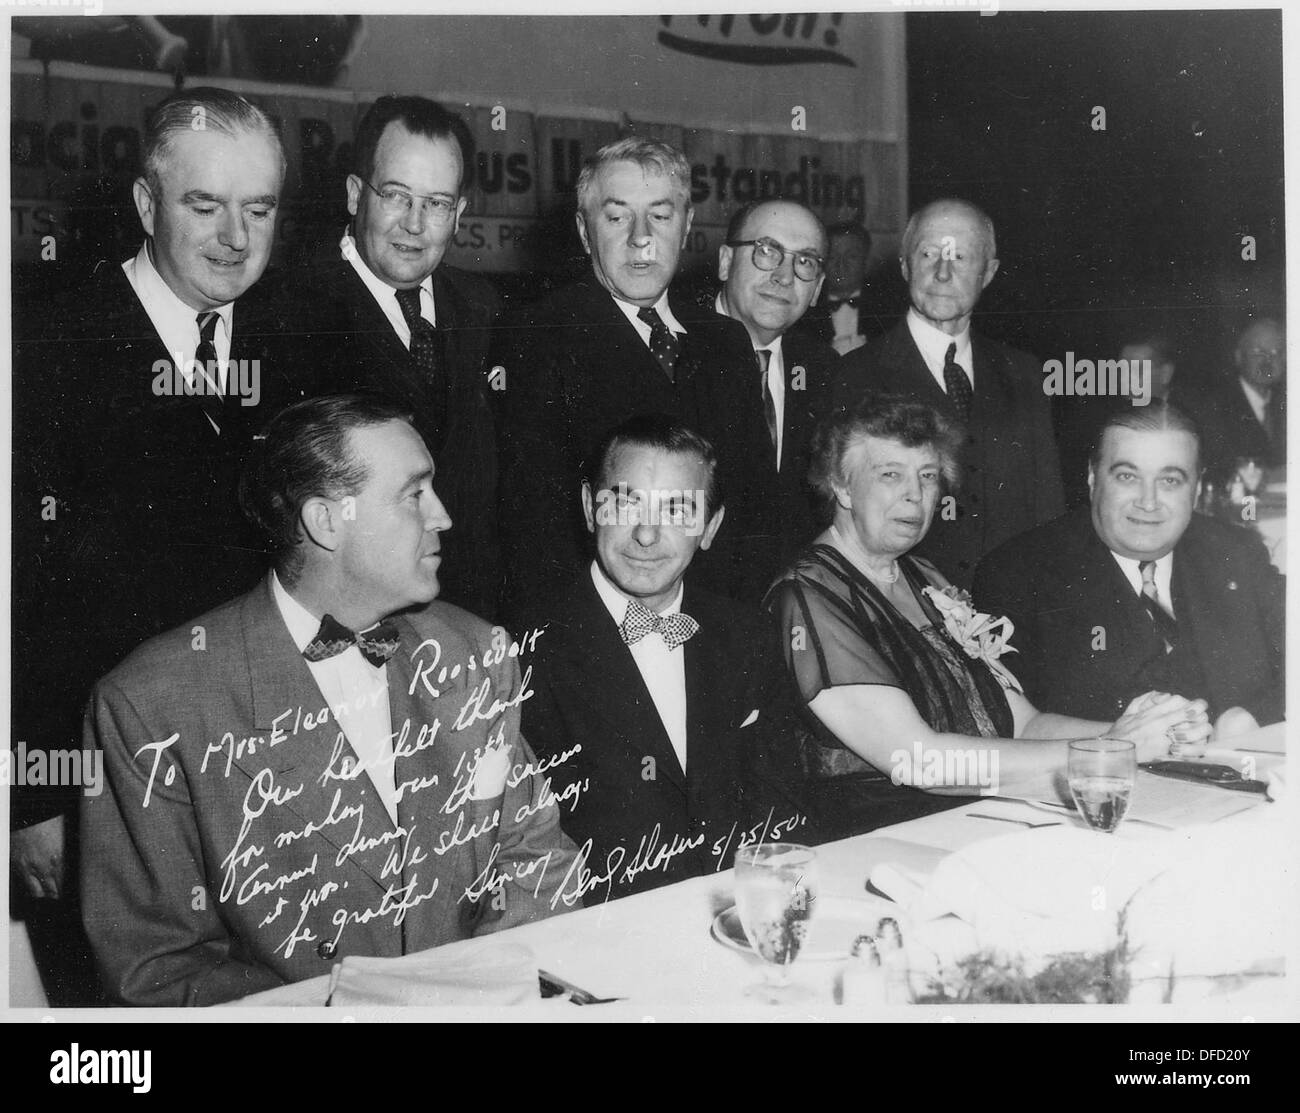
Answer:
(753, 718)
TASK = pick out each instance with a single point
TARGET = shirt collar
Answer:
(1254, 395)
(302, 624)
(630, 311)
(380, 290)
(616, 602)
(158, 297)
(934, 342)
(1133, 570)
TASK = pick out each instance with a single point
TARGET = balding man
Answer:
(771, 269)
(1244, 413)
(1011, 478)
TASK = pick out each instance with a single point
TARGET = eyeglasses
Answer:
(398, 202)
(769, 255)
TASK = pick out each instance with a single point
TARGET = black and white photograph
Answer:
(649, 516)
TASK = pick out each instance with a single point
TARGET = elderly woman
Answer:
(895, 702)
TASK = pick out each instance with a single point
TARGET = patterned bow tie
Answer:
(377, 644)
(640, 620)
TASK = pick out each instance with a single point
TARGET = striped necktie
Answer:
(1163, 620)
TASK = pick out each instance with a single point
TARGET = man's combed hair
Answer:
(304, 453)
(887, 417)
(1158, 417)
(418, 115)
(204, 108)
(665, 434)
(649, 154)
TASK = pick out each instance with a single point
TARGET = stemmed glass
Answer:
(1102, 772)
(775, 895)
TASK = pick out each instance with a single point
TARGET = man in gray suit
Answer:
(316, 769)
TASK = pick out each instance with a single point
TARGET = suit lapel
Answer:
(711, 666)
(283, 690)
(606, 665)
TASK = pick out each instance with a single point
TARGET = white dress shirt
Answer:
(386, 295)
(1164, 577)
(175, 322)
(630, 311)
(357, 694)
(662, 669)
(933, 345)
(1258, 401)
(775, 379)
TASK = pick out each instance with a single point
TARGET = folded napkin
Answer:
(496, 974)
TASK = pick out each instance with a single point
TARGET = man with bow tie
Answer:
(329, 765)
(841, 317)
(670, 702)
(771, 269)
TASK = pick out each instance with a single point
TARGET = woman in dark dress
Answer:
(896, 687)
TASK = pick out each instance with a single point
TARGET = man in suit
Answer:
(667, 707)
(1136, 592)
(317, 768)
(1245, 414)
(595, 353)
(381, 309)
(842, 318)
(1010, 477)
(135, 400)
(771, 269)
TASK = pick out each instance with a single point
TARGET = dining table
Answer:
(663, 954)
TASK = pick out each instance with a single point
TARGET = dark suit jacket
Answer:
(231, 847)
(771, 514)
(575, 368)
(126, 520)
(1010, 474)
(1087, 646)
(354, 347)
(1229, 427)
(647, 823)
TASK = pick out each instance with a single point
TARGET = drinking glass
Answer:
(775, 896)
(1102, 772)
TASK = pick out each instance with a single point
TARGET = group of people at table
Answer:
(729, 566)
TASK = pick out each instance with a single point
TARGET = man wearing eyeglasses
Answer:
(1011, 474)
(615, 344)
(771, 268)
(1244, 415)
(387, 313)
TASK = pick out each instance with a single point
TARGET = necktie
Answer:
(1164, 621)
(957, 384)
(426, 355)
(640, 620)
(663, 344)
(209, 374)
(769, 403)
(377, 644)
